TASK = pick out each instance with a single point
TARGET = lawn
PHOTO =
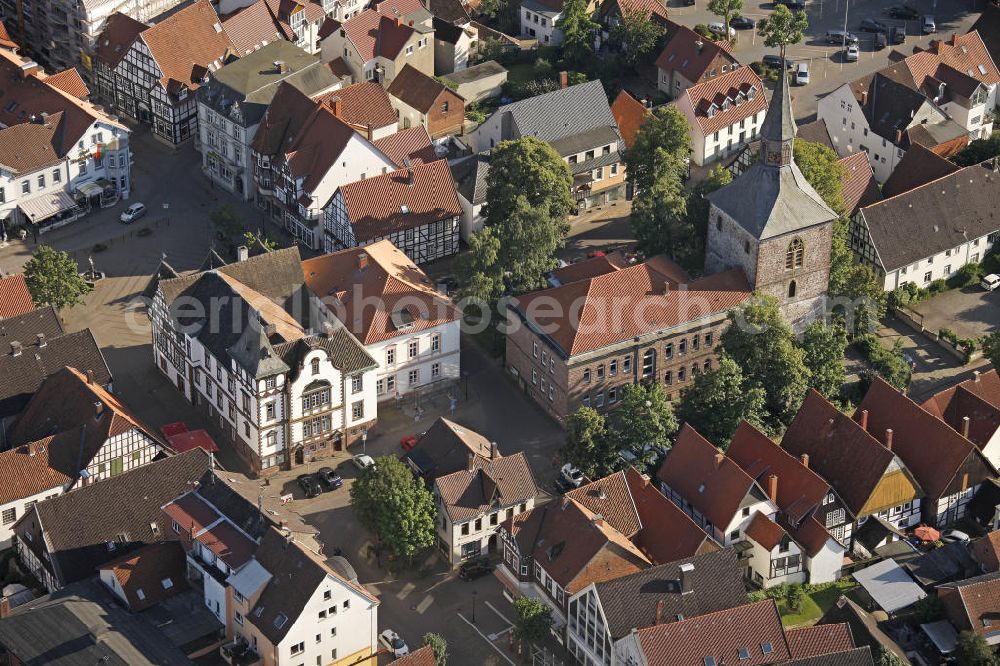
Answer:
(520, 73)
(814, 604)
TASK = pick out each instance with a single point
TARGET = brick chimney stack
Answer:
(772, 487)
(888, 438)
(965, 426)
(864, 419)
(805, 459)
(719, 457)
(563, 79)
(659, 612)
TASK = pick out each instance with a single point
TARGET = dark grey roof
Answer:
(870, 535)
(572, 144)
(560, 113)
(630, 601)
(446, 31)
(475, 72)
(23, 328)
(815, 132)
(452, 11)
(345, 351)
(20, 376)
(861, 656)
(212, 261)
(78, 525)
(254, 353)
(770, 201)
(470, 177)
(251, 81)
(983, 505)
(445, 448)
(599, 160)
(239, 510)
(163, 272)
(864, 628)
(934, 217)
(539, 8)
(943, 565)
(82, 625)
(277, 275)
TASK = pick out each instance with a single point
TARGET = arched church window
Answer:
(791, 289)
(746, 246)
(795, 254)
(718, 222)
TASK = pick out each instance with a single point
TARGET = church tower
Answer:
(771, 222)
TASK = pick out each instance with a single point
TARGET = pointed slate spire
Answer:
(778, 130)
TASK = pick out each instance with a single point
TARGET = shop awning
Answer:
(89, 189)
(46, 205)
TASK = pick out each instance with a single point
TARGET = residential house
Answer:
(918, 167)
(718, 494)
(858, 186)
(863, 626)
(279, 393)
(611, 12)
(253, 27)
(474, 501)
(365, 105)
(689, 59)
(724, 112)
(232, 103)
(72, 433)
(629, 115)
(62, 156)
(972, 408)
(147, 576)
(297, 21)
(792, 544)
(581, 353)
(590, 145)
(15, 299)
(986, 551)
(469, 174)
(37, 347)
(445, 448)
(557, 549)
(67, 538)
(377, 43)
(947, 466)
(478, 82)
(391, 307)
(604, 613)
(972, 605)
(882, 117)
(155, 80)
(826, 644)
(539, 19)
(906, 238)
(420, 99)
(988, 27)
(416, 208)
(453, 44)
(868, 478)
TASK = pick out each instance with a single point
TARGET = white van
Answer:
(802, 74)
(990, 282)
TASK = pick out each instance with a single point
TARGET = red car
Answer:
(408, 442)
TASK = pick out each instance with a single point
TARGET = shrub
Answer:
(949, 335)
(543, 69)
(966, 276)
(938, 286)
(703, 30)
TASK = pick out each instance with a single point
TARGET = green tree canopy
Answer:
(588, 444)
(439, 646)
(658, 215)
(726, 10)
(781, 28)
(693, 260)
(578, 30)
(664, 137)
(822, 168)
(973, 650)
(763, 345)
(644, 422)
(718, 400)
(226, 222)
(53, 278)
(855, 289)
(532, 619)
(824, 347)
(884, 657)
(637, 35)
(978, 150)
(392, 503)
(991, 348)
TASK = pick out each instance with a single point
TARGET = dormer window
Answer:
(752, 92)
(711, 111)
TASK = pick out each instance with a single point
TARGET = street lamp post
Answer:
(364, 441)
(474, 594)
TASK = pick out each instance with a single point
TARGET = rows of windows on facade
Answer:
(83, 168)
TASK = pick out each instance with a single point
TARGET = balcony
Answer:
(239, 653)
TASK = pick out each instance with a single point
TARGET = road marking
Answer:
(492, 608)
(405, 591)
(485, 638)
(425, 604)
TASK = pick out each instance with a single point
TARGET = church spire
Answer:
(778, 130)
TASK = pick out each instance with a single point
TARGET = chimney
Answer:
(30, 68)
(90, 376)
(242, 253)
(563, 79)
(41, 340)
(899, 137)
(15, 348)
(659, 612)
(409, 176)
(601, 495)
(597, 520)
(805, 459)
(864, 419)
(719, 457)
(4, 607)
(864, 98)
(472, 460)
(493, 451)
(954, 39)
(699, 45)
(327, 329)
(888, 438)
(362, 261)
(772, 487)
(687, 570)
(975, 376)
(281, 66)
(371, 132)
(98, 409)
(965, 427)
(335, 106)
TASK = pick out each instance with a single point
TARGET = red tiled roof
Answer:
(422, 657)
(401, 8)
(374, 34)
(765, 531)
(15, 299)
(931, 450)
(120, 31)
(700, 473)
(338, 65)
(987, 551)
(683, 55)
(819, 639)
(733, 90)
(190, 439)
(390, 278)
(186, 43)
(317, 146)
(5, 39)
(375, 205)
(588, 268)
(648, 291)
(974, 604)
(70, 82)
(611, 498)
(977, 398)
(647, 8)
(858, 187)
(413, 144)
(27, 470)
(629, 114)
(283, 120)
(251, 27)
(362, 104)
(720, 635)
(151, 574)
(964, 53)
(191, 513)
(668, 534)
(416, 89)
(228, 544)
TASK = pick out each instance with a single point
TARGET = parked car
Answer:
(717, 28)
(840, 37)
(329, 478)
(990, 282)
(742, 23)
(363, 461)
(571, 475)
(951, 536)
(772, 60)
(927, 24)
(408, 442)
(309, 486)
(562, 486)
(897, 35)
(794, 5)
(133, 213)
(852, 53)
(880, 41)
(904, 12)
(802, 74)
(393, 642)
(475, 568)
(871, 25)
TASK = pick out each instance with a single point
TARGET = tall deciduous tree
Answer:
(855, 289)
(658, 215)
(991, 348)
(578, 32)
(718, 400)
(824, 345)
(53, 278)
(637, 35)
(973, 650)
(763, 345)
(664, 136)
(390, 502)
(439, 646)
(588, 444)
(693, 260)
(644, 422)
(884, 657)
(822, 168)
(532, 619)
(726, 10)
(781, 28)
